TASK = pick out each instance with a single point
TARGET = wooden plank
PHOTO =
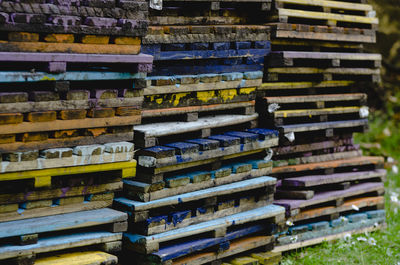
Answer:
(325, 238)
(65, 142)
(301, 85)
(61, 222)
(56, 243)
(73, 58)
(196, 195)
(69, 124)
(326, 36)
(70, 170)
(183, 110)
(170, 128)
(237, 246)
(282, 12)
(330, 4)
(70, 104)
(306, 127)
(347, 206)
(222, 153)
(337, 71)
(45, 47)
(316, 98)
(79, 258)
(316, 180)
(315, 112)
(37, 195)
(327, 196)
(356, 161)
(326, 55)
(180, 88)
(282, 150)
(24, 76)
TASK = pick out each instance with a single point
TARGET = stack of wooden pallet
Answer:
(71, 89)
(313, 94)
(201, 193)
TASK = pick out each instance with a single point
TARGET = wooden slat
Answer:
(79, 258)
(329, 4)
(316, 98)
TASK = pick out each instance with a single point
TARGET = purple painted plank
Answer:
(331, 195)
(315, 180)
(73, 57)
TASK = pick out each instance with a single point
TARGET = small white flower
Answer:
(343, 219)
(394, 198)
(390, 159)
(387, 132)
(372, 241)
(293, 239)
(376, 224)
(395, 169)
(355, 208)
(363, 221)
(364, 112)
(289, 223)
(347, 237)
(273, 107)
(361, 238)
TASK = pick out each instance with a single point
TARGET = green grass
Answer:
(382, 139)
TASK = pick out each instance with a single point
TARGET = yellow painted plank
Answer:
(330, 4)
(299, 85)
(327, 16)
(79, 258)
(69, 170)
(314, 112)
(69, 47)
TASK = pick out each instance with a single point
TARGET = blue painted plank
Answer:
(182, 249)
(60, 222)
(245, 137)
(233, 76)
(199, 46)
(153, 49)
(205, 144)
(221, 45)
(207, 54)
(174, 46)
(225, 140)
(8, 76)
(182, 148)
(262, 45)
(242, 45)
(264, 133)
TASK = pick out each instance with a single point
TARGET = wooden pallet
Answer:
(289, 88)
(206, 50)
(254, 246)
(179, 183)
(55, 233)
(205, 33)
(147, 135)
(59, 62)
(127, 19)
(175, 156)
(335, 197)
(182, 210)
(327, 59)
(223, 230)
(289, 32)
(322, 12)
(326, 231)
